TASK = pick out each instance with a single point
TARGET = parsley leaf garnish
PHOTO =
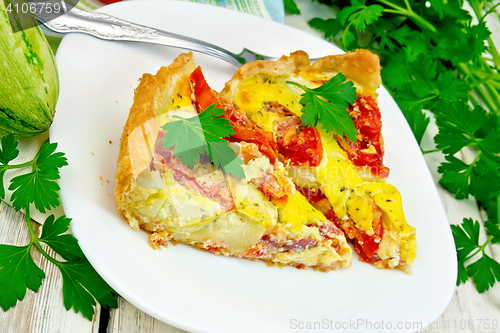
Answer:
(82, 285)
(18, 272)
(327, 105)
(291, 7)
(472, 36)
(330, 27)
(458, 125)
(485, 271)
(359, 15)
(456, 176)
(461, 126)
(204, 134)
(493, 230)
(466, 237)
(8, 153)
(39, 186)
(55, 236)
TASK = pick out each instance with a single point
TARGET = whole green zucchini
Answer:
(29, 85)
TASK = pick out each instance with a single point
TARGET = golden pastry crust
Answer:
(360, 66)
(286, 65)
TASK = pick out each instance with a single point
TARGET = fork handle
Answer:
(108, 27)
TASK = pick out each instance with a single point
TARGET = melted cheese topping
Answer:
(182, 99)
(256, 168)
(312, 75)
(298, 211)
(388, 199)
(343, 187)
(252, 93)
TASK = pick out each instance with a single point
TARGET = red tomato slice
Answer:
(216, 189)
(367, 119)
(370, 244)
(202, 91)
(297, 143)
(301, 145)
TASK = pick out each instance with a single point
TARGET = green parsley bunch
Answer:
(82, 285)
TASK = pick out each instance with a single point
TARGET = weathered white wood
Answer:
(128, 319)
(44, 311)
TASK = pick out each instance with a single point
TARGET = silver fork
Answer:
(108, 27)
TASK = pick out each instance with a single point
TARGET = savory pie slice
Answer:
(260, 217)
(344, 180)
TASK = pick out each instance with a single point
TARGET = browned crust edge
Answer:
(360, 66)
(160, 240)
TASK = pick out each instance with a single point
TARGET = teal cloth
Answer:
(273, 9)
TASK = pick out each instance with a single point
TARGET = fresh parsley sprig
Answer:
(327, 105)
(461, 126)
(484, 271)
(82, 285)
(291, 7)
(204, 134)
(434, 57)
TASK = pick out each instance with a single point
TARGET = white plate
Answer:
(195, 290)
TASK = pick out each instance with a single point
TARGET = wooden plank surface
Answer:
(128, 319)
(43, 312)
